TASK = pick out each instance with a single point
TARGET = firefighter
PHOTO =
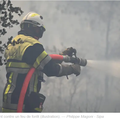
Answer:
(24, 52)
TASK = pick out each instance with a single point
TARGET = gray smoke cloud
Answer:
(86, 26)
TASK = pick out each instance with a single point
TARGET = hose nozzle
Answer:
(80, 61)
(83, 62)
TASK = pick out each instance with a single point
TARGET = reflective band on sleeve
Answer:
(44, 62)
(39, 59)
(17, 65)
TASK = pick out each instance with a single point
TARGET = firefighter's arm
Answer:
(56, 69)
(38, 58)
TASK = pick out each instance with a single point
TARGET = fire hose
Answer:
(60, 58)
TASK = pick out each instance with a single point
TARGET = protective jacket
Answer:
(23, 53)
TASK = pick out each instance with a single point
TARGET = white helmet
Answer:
(33, 18)
(33, 24)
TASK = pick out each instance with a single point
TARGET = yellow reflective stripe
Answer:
(10, 78)
(38, 109)
(8, 110)
(17, 65)
(8, 87)
(35, 84)
(6, 91)
(39, 59)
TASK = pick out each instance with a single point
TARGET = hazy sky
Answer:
(82, 25)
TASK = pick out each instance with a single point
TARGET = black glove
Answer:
(69, 51)
(66, 69)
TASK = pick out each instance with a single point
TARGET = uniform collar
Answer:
(26, 34)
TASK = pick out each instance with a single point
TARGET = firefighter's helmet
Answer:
(34, 20)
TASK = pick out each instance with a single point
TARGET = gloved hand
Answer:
(69, 51)
(66, 69)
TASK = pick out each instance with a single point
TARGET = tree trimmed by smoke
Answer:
(7, 20)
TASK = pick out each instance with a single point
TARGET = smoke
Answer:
(81, 25)
(111, 68)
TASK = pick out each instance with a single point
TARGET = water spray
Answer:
(111, 68)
